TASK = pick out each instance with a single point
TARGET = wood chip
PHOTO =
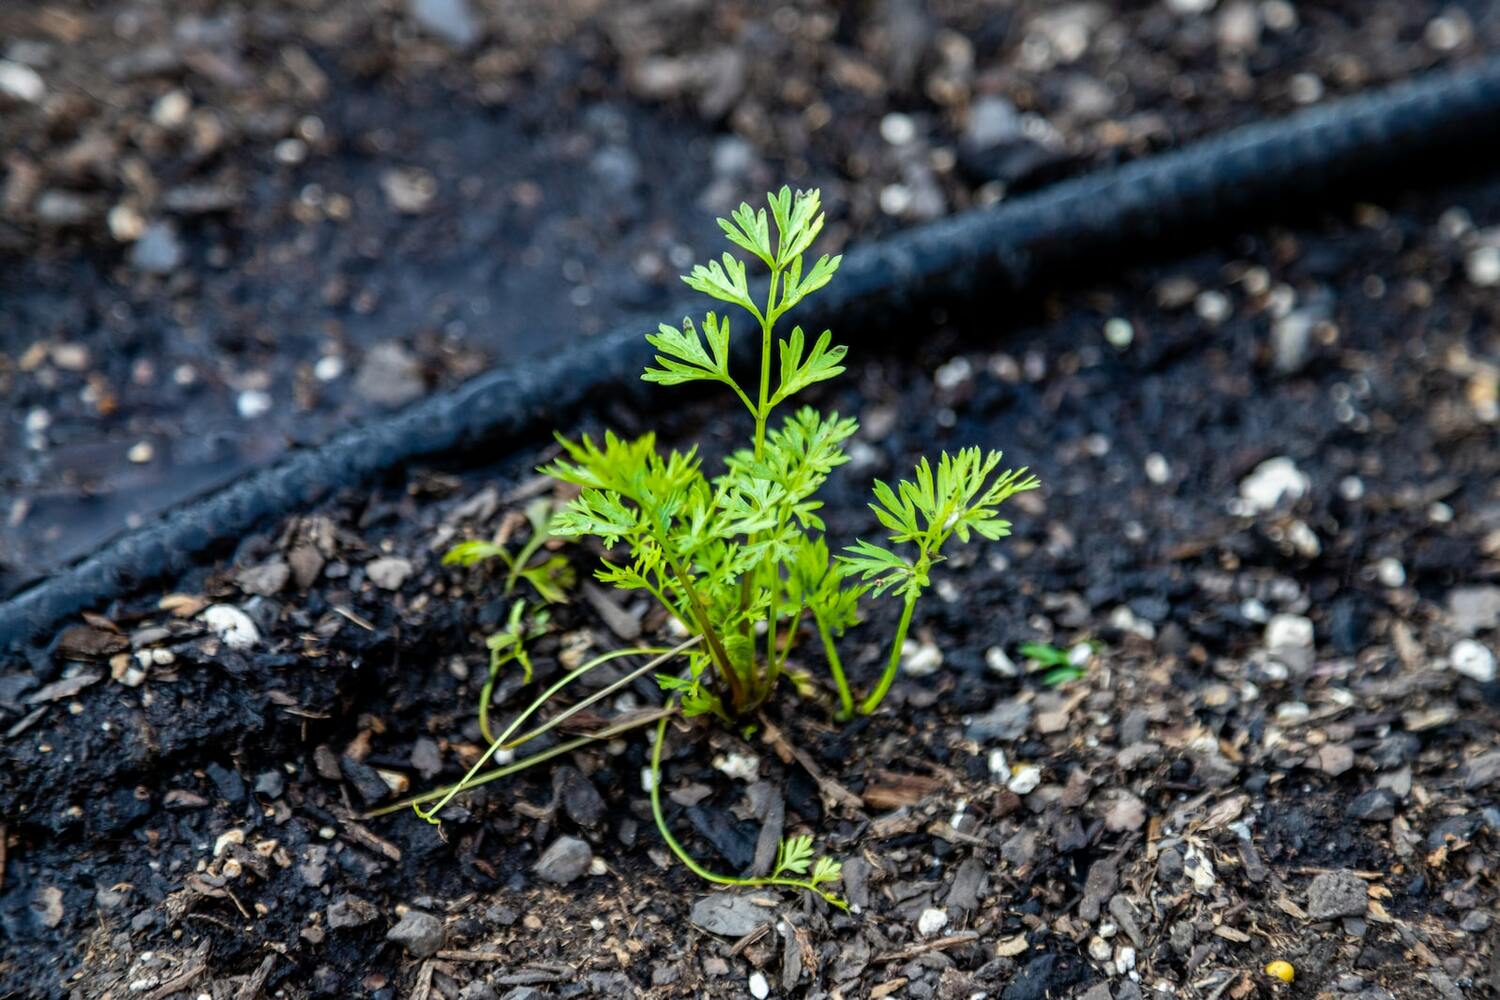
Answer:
(66, 688)
(832, 790)
(257, 981)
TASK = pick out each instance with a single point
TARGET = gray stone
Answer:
(1008, 720)
(728, 914)
(350, 911)
(1142, 754)
(1336, 894)
(389, 572)
(389, 376)
(1474, 609)
(1376, 805)
(158, 251)
(1482, 771)
(578, 796)
(265, 580)
(419, 933)
(565, 860)
(270, 784)
(450, 20)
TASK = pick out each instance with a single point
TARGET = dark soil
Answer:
(228, 229)
(1205, 797)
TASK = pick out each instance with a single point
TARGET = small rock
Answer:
(931, 921)
(1376, 805)
(1336, 894)
(1289, 638)
(21, 83)
(365, 779)
(270, 784)
(1482, 771)
(565, 860)
(409, 190)
(1291, 336)
(1008, 720)
(388, 572)
(1473, 660)
(578, 796)
(157, 251)
(1024, 779)
(1125, 813)
(350, 911)
(63, 208)
(389, 376)
(450, 20)
(1335, 758)
(728, 914)
(233, 627)
(426, 757)
(1136, 755)
(919, 659)
(47, 904)
(419, 933)
(265, 580)
(1272, 481)
(1474, 609)
(759, 988)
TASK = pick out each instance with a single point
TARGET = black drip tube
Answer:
(1111, 215)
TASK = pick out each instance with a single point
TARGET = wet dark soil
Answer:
(1270, 501)
(225, 231)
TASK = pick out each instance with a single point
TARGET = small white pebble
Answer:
(141, 452)
(898, 129)
(1290, 713)
(233, 627)
(1211, 306)
(1351, 488)
(1158, 469)
(253, 403)
(1473, 660)
(1272, 481)
(1024, 779)
(1305, 88)
(647, 780)
(328, 368)
(1483, 267)
(931, 921)
(740, 766)
(953, 374)
(999, 662)
(1390, 572)
(1119, 332)
(999, 765)
(920, 658)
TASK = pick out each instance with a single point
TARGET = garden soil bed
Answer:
(229, 231)
(1273, 756)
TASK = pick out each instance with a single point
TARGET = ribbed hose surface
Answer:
(1003, 249)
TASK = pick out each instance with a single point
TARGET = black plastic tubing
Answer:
(1111, 217)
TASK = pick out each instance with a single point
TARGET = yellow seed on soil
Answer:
(1282, 971)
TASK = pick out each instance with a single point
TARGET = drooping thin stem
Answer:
(871, 703)
(835, 667)
(431, 814)
(687, 859)
(644, 719)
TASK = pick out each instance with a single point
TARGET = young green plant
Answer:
(739, 558)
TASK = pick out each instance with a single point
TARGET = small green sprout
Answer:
(1057, 666)
(551, 577)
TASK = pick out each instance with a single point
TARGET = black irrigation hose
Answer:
(1110, 214)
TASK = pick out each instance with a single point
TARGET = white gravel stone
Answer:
(21, 82)
(759, 988)
(1025, 779)
(1473, 660)
(1390, 572)
(739, 766)
(1000, 662)
(388, 572)
(234, 628)
(931, 921)
(920, 658)
(1274, 480)
(1483, 267)
(253, 403)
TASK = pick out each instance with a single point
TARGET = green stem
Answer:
(763, 411)
(715, 645)
(514, 767)
(835, 667)
(871, 703)
(431, 814)
(686, 859)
